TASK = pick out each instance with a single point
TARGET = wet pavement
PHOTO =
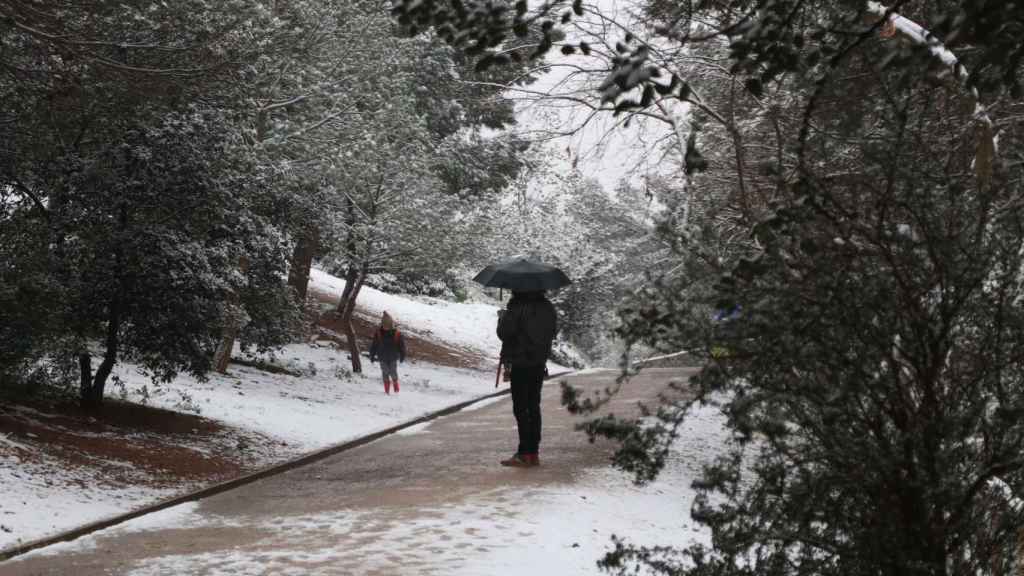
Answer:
(417, 502)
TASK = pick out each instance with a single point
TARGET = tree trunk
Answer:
(91, 391)
(222, 357)
(354, 279)
(738, 151)
(85, 378)
(351, 275)
(302, 262)
(353, 345)
(1020, 552)
(99, 381)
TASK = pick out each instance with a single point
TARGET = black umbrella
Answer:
(522, 275)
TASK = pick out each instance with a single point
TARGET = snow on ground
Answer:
(318, 409)
(48, 488)
(326, 405)
(564, 530)
(561, 529)
(181, 515)
(41, 497)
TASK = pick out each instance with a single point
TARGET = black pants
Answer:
(526, 384)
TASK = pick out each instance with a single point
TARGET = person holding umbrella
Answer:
(527, 329)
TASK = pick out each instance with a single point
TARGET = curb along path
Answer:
(346, 509)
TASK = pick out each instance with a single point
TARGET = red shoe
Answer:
(521, 461)
(387, 388)
(396, 386)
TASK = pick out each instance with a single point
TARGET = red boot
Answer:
(396, 386)
(387, 388)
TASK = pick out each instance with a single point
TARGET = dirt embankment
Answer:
(126, 443)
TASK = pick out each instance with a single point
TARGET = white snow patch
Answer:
(176, 516)
(42, 496)
(324, 406)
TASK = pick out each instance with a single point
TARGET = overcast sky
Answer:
(601, 147)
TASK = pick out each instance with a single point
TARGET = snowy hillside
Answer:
(466, 325)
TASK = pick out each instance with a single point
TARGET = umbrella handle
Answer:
(497, 377)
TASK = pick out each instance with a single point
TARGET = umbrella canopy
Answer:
(522, 275)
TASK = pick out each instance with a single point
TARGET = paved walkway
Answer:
(383, 508)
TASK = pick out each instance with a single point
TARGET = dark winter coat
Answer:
(387, 345)
(527, 329)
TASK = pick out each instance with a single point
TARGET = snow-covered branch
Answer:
(1012, 499)
(987, 146)
(28, 193)
(680, 142)
(284, 103)
(318, 124)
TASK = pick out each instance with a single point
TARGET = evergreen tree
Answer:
(119, 141)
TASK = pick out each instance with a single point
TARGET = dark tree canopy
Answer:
(767, 37)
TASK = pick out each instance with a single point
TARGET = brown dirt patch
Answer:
(419, 348)
(127, 443)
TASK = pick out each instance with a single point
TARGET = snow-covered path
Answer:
(431, 500)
